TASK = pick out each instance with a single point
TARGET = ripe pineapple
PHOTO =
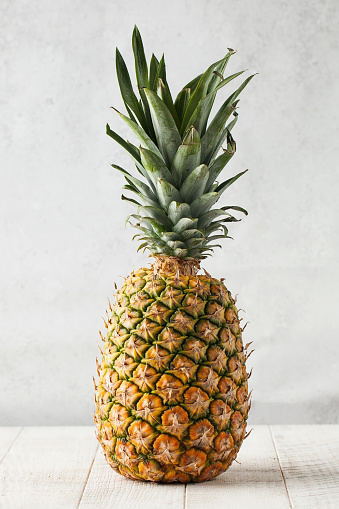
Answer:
(172, 398)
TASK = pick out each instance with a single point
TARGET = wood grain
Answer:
(7, 437)
(255, 483)
(309, 458)
(47, 468)
(106, 489)
(62, 468)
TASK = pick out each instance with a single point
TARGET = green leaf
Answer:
(193, 232)
(192, 85)
(195, 243)
(153, 71)
(219, 71)
(196, 253)
(213, 187)
(141, 186)
(235, 94)
(134, 153)
(224, 81)
(126, 89)
(225, 229)
(199, 92)
(167, 236)
(206, 218)
(204, 203)
(158, 242)
(163, 250)
(157, 226)
(127, 146)
(141, 69)
(194, 185)
(130, 113)
(145, 244)
(187, 157)
(180, 253)
(159, 215)
(230, 219)
(148, 231)
(154, 240)
(224, 136)
(166, 131)
(144, 198)
(181, 102)
(161, 73)
(212, 135)
(131, 188)
(136, 216)
(184, 224)
(176, 244)
(176, 211)
(210, 247)
(215, 226)
(216, 237)
(235, 207)
(144, 139)
(230, 126)
(155, 166)
(165, 95)
(218, 145)
(221, 161)
(201, 114)
(144, 173)
(167, 193)
(134, 202)
(222, 187)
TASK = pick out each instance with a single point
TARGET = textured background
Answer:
(63, 241)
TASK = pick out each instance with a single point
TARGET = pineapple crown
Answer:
(178, 158)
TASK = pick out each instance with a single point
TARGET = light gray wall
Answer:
(63, 237)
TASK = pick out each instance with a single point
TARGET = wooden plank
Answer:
(7, 437)
(309, 457)
(256, 482)
(105, 489)
(47, 467)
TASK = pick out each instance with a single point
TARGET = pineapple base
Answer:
(172, 398)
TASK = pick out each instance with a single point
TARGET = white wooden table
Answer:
(280, 467)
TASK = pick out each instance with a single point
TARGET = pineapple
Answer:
(172, 399)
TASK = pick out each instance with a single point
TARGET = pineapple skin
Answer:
(172, 399)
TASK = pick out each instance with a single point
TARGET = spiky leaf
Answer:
(221, 162)
(185, 224)
(194, 185)
(216, 127)
(155, 166)
(204, 203)
(144, 139)
(222, 187)
(177, 211)
(127, 91)
(167, 193)
(166, 132)
(153, 71)
(140, 186)
(187, 157)
(165, 95)
(133, 151)
(141, 69)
